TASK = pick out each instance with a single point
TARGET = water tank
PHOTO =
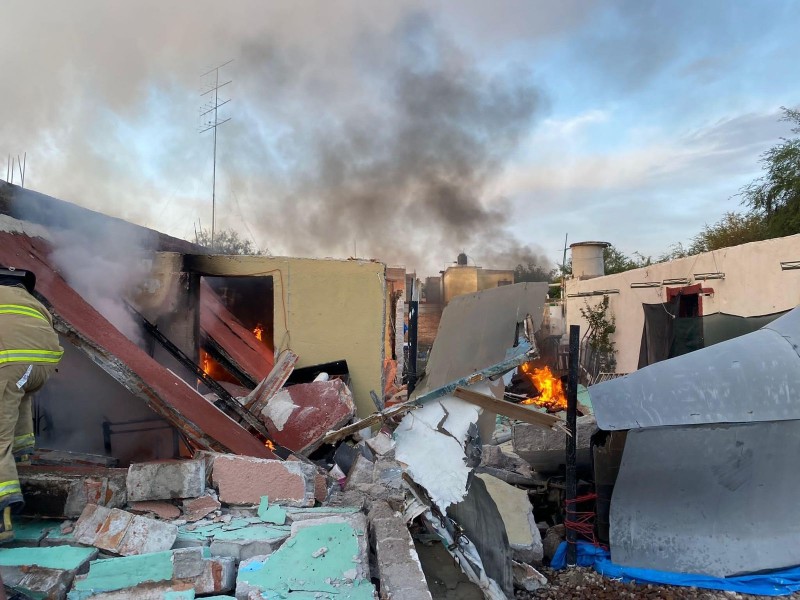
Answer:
(461, 261)
(587, 259)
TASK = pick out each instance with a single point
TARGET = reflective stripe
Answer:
(10, 487)
(18, 309)
(35, 356)
(24, 441)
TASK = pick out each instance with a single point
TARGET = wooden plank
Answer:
(269, 386)
(509, 409)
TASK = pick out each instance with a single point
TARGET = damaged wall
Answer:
(325, 310)
(754, 284)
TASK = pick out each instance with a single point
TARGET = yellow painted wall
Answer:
(325, 310)
(491, 278)
(458, 281)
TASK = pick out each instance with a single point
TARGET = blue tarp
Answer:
(775, 583)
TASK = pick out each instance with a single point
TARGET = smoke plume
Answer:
(365, 127)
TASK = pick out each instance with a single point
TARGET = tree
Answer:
(776, 194)
(733, 229)
(532, 272)
(615, 261)
(226, 241)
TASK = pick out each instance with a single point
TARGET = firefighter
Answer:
(29, 353)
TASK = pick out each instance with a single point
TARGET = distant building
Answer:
(465, 279)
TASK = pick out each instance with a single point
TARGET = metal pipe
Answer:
(572, 413)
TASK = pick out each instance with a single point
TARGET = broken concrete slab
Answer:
(65, 491)
(754, 377)
(495, 457)
(517, 514)
(271, 513)
(121, 532)
(299, 416)
(244, 480)
(43, 572)
(163, 510)
(544, 449)
(361, 473)
(240, 537)
(399, 569)
(195, 509)
(322, 557)
(154, 575)
(381, 444)
(165, 480)
(526, 577)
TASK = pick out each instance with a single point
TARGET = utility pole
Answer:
(213, 123)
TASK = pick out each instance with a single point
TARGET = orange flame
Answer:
(258, 331)
(268, 444)
(205, 362)
(551, 391)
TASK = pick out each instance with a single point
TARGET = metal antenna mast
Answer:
(213, 123)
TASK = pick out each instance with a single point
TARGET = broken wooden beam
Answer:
(508, 409)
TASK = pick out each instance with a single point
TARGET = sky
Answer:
(403, 131)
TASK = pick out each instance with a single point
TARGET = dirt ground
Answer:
(586, 583)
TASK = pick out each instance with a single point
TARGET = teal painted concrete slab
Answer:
(309, 564)
(67, 558)
(274, 513)
(125, 572)
(240, 528)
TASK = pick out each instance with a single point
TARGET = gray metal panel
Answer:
(713, 499)
(755, 377)
(478, 329)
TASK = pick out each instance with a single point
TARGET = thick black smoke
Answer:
(401, 163)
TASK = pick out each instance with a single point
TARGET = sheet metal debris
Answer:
(752, 378)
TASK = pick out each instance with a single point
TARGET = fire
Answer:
(551, 391)
(205, 362)
(269, 444)
(258, 331)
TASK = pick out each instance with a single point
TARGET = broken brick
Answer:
(164, 480)
(299, 416)
(244, 480)
(198, 508)
(123, 533)
(163, 510)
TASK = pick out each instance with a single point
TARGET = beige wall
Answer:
(754, 285)
(325, 310)
(491, 278)
(458, 281)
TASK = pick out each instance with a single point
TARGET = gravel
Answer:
(585, 583)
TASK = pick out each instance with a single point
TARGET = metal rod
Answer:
(214, 175)
(413, 317)
(572, 413)
(24, 163)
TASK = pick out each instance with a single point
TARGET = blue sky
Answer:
(414, 129)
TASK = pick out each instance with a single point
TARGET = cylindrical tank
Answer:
(587, 259)
(461, 261)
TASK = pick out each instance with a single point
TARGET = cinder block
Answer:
(399, 569)
(167, 479)
(244, 480)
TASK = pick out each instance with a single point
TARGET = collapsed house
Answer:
(211, 428)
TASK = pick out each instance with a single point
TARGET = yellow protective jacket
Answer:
(26, 330)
